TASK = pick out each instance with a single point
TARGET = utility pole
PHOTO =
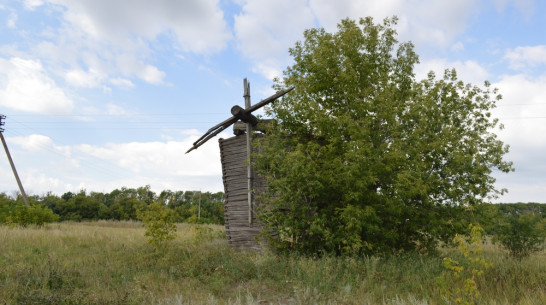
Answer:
(2, 117)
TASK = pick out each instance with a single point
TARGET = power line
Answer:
(107, 125)
(191, 114)
(94, 165)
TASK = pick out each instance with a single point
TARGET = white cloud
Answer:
(129, 65)
(523, 57)
(329, 13)
(167, 158)
(103, 62)
(269, 68)
(266, 29)
(24, 85)
(522, 106)
(36, 182)
(198, 25)
(102, 42)
(12, 19)
(162, 164)
(79, 78)
(7, 181)
(37, 143)
(434, 23)
(523, 113)
(152, 74)
(32, 142)
(32, 4)
(423, 22)
(121, 82)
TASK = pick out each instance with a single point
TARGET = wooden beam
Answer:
(225, 124)
(244, 115)
(248, 117)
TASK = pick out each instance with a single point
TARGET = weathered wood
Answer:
(237, 195)
(243, 115)
(236, 143)
(213, 131)
(268, 100)
(234, 164)
(239, 231)
(251, 120)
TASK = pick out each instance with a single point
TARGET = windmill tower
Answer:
(241, 181)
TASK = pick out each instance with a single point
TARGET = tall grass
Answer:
(111, 263)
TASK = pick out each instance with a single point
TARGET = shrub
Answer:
(158, 220)
(22, 215)
(459, 281)
(522, 234)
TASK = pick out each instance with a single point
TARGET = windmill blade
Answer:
(268, 100)
(213, 131)
(225, 123)
(209, 136)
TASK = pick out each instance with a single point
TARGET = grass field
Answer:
(111, 263)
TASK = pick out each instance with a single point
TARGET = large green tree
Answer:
(366, 159)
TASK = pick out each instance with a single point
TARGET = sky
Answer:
(104, 94)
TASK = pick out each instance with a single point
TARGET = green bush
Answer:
(22, 215)
(158, 220)
(522, 234)
(459, 281)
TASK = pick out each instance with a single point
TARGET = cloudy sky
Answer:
(101, 94)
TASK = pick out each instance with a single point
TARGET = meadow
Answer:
(110, 262)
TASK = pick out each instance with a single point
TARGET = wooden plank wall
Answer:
(239, 232)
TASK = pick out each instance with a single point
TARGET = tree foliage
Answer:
(366, 159)
(16, 213)
(124, 203)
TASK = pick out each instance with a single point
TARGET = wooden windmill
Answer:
(241, 182)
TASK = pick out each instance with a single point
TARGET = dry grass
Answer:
(111, 263)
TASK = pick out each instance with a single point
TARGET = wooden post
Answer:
(248, 150)
(25, 199)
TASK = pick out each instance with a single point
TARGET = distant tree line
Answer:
(520, 228)
(120, 204)
(522, 208)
